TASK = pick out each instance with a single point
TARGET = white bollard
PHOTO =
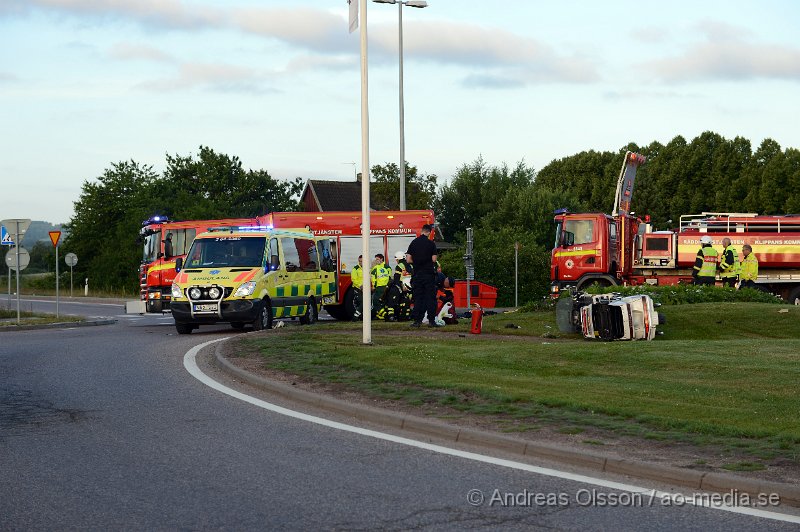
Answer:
(86, 288)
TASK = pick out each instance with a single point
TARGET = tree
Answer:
(385, 188)
(109, 213)
(474, 192)
(105, 226)
(215, 185)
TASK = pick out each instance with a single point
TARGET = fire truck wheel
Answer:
(184, 328)
(264, 319)
(312, 313)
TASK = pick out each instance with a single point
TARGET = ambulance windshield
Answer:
(226, 252)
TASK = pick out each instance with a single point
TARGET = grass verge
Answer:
(8, 318)
(723, 374)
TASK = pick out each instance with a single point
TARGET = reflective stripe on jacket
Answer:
(709, 267)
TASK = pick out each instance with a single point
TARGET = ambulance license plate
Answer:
(205, 307)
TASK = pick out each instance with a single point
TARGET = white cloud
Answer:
(211, 76)
(323, 32)
(728, 54)
(129, 51)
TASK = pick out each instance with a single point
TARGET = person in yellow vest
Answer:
(380, 274)
(705, 264)
(357, 278)
(729, 264)
(749, 272)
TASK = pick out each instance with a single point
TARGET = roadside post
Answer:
(71, 259)
(55, 237)
(18, 226)
(469, 263)
(5, 238)
(516, 274)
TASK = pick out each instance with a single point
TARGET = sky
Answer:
(88, 83)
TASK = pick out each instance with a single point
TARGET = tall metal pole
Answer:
(17, 245)
(365, 222)
(402, 118)
(56, 280)
(516, 274)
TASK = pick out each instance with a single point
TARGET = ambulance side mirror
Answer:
(178, 264)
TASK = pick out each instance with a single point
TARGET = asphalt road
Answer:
(103, 428)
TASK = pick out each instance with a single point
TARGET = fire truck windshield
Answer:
(226, 252)
(574, 232)
(152, 246)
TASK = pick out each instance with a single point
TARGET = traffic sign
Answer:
(6, 237)
(16, 225)
(71, 259)
(24, 258)
(55, 236)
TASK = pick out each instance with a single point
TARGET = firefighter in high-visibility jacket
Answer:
(357, 279)
(398, 293)
(749, 272)
(729, 264)
(705, 264)
(380, 274)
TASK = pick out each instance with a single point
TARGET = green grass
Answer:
(8, 318)
(723, 373)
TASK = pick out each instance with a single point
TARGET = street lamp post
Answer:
(400, 4)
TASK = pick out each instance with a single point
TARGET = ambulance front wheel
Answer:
(264, 319)
(184, 328)
(312, 313)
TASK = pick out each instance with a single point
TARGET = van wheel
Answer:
(184, 328)
(264, 319)
(312, 314)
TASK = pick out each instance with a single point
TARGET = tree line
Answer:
(503, 204)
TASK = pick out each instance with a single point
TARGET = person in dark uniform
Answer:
(422, 255)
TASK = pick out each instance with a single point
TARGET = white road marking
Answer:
(190, 363)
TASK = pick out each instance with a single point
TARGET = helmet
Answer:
(399, 255)
(705, 239)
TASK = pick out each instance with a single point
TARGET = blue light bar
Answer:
(252, 228)
(563, 210)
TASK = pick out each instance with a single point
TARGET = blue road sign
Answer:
(5, 236)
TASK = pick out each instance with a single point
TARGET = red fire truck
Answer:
(164, 241)
(623, 249)
(390, 232)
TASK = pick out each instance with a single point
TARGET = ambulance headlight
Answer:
(214, 292)
(176, 291)
(246, 289)
(195, 293)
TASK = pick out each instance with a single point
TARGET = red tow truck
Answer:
(622, 249)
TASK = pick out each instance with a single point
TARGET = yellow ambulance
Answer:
(253, 275)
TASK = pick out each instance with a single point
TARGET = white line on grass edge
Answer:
(190, 363)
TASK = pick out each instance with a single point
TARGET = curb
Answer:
(429, 429)
(59, 325)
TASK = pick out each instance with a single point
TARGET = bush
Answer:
(684, 294)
